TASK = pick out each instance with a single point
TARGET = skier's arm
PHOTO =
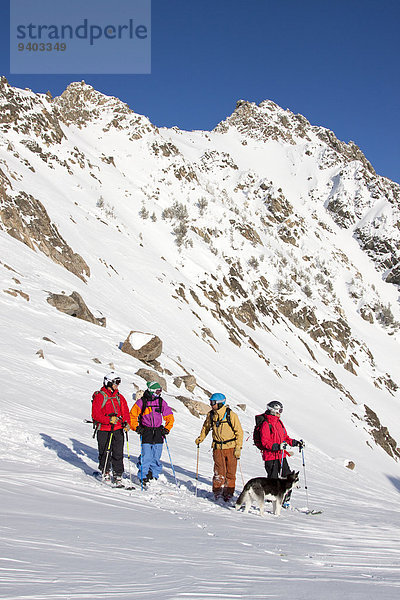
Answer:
(134, 414)
(126, 418)
(237, 428)
(169, 421)
(286, 438)
(124, 410)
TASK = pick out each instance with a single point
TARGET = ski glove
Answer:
(275, 447)
(299, 443)
(197, 441)
(237, 453)
(139, 429)
(165, 431)
(113, 420)
(126, 427)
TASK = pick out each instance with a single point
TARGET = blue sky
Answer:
(334, 61)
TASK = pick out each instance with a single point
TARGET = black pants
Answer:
(273, 468)
(116, 456)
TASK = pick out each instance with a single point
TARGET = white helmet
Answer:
(275, 407)
(111, 378)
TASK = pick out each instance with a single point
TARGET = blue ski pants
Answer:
(150, 460)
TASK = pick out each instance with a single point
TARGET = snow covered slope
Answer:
(263, 255)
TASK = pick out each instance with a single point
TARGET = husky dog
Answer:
(260, 489)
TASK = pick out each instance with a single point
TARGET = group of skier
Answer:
(152, 419)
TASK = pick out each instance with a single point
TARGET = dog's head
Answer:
(293, 478)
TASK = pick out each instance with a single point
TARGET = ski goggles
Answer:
(156, 392)
(116, 381)
(212, 402)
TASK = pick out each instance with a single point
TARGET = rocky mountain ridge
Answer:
(266, 231)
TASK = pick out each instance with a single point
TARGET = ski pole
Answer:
(305, 478)
(95, 430)
(108, 450)
(141, 463)
(173, 470)
(95, 426)
(197, 468)
(129, 458)
(241, 472)
(283, 456)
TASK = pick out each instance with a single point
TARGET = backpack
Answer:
(105, 398)
(217, 423)
(144, 406)
(257, 430)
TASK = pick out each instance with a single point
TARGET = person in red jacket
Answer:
(110, 413)
(274, 440)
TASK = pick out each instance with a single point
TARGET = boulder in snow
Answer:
(149, 375)
(143, 346)
(350, 464)
(189, 381)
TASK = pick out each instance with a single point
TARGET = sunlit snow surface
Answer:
(64, 534)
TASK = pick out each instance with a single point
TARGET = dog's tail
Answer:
(241, 500)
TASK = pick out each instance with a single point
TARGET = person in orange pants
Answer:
(227, 444)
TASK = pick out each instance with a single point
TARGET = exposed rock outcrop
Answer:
(196, 407)
(75, 306)
(381, 434)
(25, 218)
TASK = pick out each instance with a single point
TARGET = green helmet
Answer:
(152, 386)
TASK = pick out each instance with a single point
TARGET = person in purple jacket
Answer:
(152, 419)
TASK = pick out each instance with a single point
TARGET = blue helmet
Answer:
(218, 398)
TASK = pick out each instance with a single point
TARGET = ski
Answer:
(109, 484)
(307, 511)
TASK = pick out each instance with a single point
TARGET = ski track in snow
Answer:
(67, 535)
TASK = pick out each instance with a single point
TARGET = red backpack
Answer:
(257, 430)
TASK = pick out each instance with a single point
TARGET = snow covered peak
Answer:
(266, 121)
(80, 104)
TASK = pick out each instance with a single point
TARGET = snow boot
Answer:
(148, 478)
(118, 481)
